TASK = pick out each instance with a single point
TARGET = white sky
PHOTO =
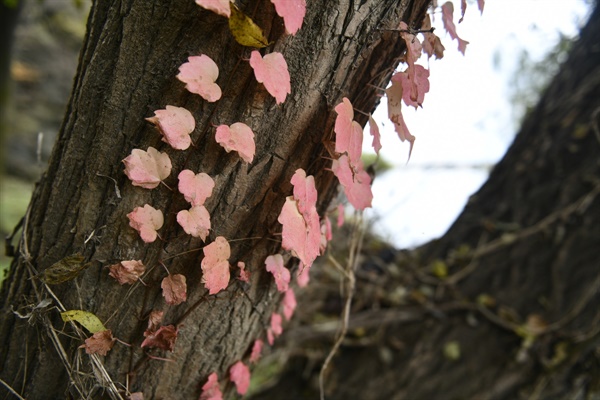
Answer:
(466, 117)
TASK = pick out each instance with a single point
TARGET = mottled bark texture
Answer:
(128, 63)
(521, 302)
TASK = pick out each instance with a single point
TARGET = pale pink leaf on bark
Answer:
(215, 265)
(163, 338)
(292, 12)
(146, 220)
(300, 236)
(175, 124)
(356, 182)
(274, 264)
(220, 7)
(244, 273)
(272, 71)
(147, 168)
(448, 20)
(340, 215)
(303, 275)
(289, 304)
(196, 188)
(374, 131)
(211, 389)
(275, 329)
(256, 351)
(239, 374)
(238, 137)
(199, 75)
(305, 191)
(174, 289)
(127, 271)
(99, 343)
(413, 45)
(348, 133)
(195, 222)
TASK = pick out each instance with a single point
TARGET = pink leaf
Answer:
(195, 222)
(100, 343)
(281, 274)
(394, 95)
(238, 137)
(348, 133)
(275, 329)
(146, 220)
(256, 351)
(340, 215)
(220, 7)
(292, 12)
(356, 182)
(413, 45)
(244, 273)
(196, 188)
(199, 74)
(303, 275)
(164, 338)
(174, 289)
(147, 168)
(305, 192)
(289, 304)
(374, 130)
(447, 19)
(127, 271)
(432, 44)
(272, 71)
(211, 389)
(175, 124)
(215, 265)
(299, 236)
(239, 374)
(413, 92)
(463, 9)
(326, 234)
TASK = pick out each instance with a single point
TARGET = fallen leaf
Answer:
(239, 374)
(127, 271)
(211, 389)
(274, 264)
(292, 12)
(244, 30)
(238, 137)
(199, 75)
(196, 188)
(272, 71)
(174, 289)
(147, 168)
(100, 343)
(146, 220)
(220, 7)
(215, 265)
(195, 221)
(175, 124)
(88, 320)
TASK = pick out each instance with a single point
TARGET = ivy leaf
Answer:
(211, 389)
(199, 75)
(215, 265)
(256, 351)
(289, 304)
(196, 188)
(394, 95)
(303, 275)
(413, 92)
(175, 124)
(275, 329)
(326, 234)
(239, 374)
(174, 289)
(448, 20)
(163, 338)
(146, 220)
(294, 237)
(147, 168)
(348, 133)
(272, 71)
(292, 12)
(238, 137)
(195, 221)
(88, 320)
(274, 264)
(244, 30)
(127, 272)
(356, 182)
(220, 7)
(99, 343)
(432, 45)
(374, 131)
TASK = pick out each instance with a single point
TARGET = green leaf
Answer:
(88, 320)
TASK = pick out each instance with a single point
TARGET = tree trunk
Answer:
(518, 314)
(127, 69)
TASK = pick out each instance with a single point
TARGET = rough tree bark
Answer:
(521, 301)
(128, 63)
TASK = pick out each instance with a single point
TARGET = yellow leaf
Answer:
(244, 30)
(88, 320)
(64, 270)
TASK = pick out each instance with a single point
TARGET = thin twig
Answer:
(10, 389)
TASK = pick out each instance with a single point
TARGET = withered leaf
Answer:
(64, 270)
